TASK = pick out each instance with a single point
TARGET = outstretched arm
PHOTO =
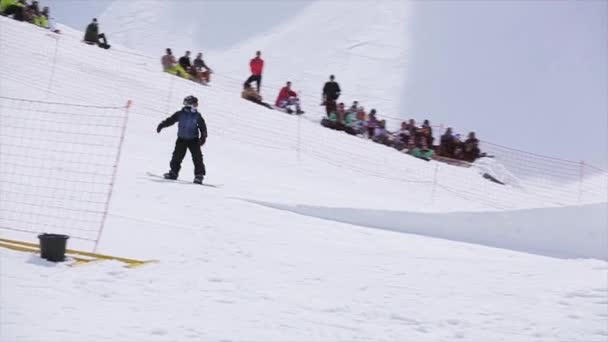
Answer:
(167, 122)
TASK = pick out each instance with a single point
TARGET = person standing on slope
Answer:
(331, 92)
(257, 66)
(190, 123)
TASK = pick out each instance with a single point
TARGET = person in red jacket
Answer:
(256, 65)
(288, 97)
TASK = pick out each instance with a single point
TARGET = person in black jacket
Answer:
(190, 123)
(471, 151)
(201, 71)
(331, 92)
(184, 61)
(92, 35)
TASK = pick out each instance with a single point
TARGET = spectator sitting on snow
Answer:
(354, 106)
(168, 61)
(287, 98)
(471, 149)
(359, 124)
(472, 139)
(184, 61)
(334, 122)
(426, 131)
(14, 8)
(32, 12)
(331, 121)
(92, 35)
(4, 4)
(170, 65)
(404, 132)
(45, 20)
(352, 125)
(447, 144)
(371, 124)
(381, 135)
(459, 147)
(414, 130)
(202, 76)
(422, 151)
(401, 137)
(252, 95)
(341, 111)
(42, 19)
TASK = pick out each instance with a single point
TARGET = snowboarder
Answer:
(190, 122)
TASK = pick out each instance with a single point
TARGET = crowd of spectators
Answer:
(197, 70)
(410, 138)
(20, 10)
(354, 120)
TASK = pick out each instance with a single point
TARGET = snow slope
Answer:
(364, 46)
(232, 269)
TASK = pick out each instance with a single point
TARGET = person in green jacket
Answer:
(422, 151)
(42, 20)
(16, 8)
(350, 123)
(4, 4)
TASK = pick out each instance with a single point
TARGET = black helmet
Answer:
(190, 101)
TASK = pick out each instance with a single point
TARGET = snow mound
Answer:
(558, 234)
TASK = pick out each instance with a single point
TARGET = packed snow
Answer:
(308, 235)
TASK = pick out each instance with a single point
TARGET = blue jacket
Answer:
(190, 122)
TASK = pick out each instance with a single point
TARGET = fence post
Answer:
(116, 161)
(581, 179)
(298, 137)
(52, 77)
(434, 183)
(170, 96)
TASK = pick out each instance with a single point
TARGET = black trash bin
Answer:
(52, 246)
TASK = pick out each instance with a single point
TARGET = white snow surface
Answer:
(232, 269)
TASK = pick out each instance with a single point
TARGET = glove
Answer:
(159, 128)
(201, 141)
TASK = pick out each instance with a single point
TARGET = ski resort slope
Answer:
(234, 266)
(364, 46)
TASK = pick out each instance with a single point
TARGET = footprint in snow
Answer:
(159, 332)
(459, 334)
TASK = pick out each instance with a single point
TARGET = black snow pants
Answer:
(256, 78)
(181, 145)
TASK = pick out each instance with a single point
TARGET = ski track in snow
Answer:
(234, 270)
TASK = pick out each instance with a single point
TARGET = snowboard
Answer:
(160, 178)
(287, 111)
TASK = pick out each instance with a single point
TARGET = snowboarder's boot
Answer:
(170, 175)
(198, 179)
